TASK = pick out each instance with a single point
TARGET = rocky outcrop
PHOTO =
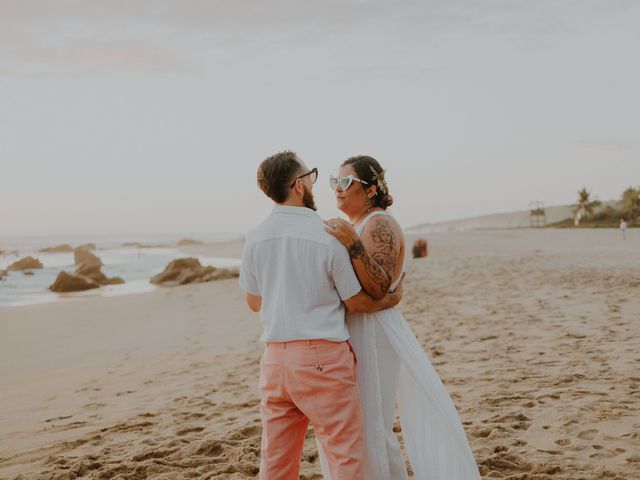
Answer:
(187, 241)
(420, 248)
(27, 263)
(86, 246)
(58, 249)
(114, 281)
(3, 274)
(95, 273)
(83, 257)
(189, 270)
(136, 245)
(88, 274)
(68, 282)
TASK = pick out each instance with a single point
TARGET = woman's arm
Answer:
(374, 255)
(363, 303)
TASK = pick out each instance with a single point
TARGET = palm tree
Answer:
(585, 206)
(631, 203)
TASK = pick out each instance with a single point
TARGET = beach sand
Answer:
(536, 335)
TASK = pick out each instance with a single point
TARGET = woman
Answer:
(391, 362)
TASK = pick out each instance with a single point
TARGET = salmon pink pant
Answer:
(310, 381)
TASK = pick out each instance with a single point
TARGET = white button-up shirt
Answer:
(302, 274)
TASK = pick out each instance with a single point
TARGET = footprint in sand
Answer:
(588, 434)
(604, 454)
(126, 392)
(509, 418)
(58, 418)
(187, 430)
(482, 432)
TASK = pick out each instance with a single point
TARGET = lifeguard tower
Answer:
(537, 215)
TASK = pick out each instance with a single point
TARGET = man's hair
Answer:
(276, 173)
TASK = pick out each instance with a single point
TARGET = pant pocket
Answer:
(355, 361)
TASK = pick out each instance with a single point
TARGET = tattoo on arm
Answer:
(385, 252)
(373, 269)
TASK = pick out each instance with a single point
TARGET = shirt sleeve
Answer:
(344, 278)
(248, 281)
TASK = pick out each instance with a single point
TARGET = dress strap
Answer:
(363, 224)
(395, 284)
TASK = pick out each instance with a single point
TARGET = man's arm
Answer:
(254, 302)
(248, 281)
(364, 303)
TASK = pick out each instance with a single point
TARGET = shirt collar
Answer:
(286, 209)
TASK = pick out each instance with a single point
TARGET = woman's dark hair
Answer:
(369, 170)
(276, 173)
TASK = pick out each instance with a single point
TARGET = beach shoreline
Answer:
(33, 290)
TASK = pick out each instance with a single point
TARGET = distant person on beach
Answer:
(391, 362)
(300, 279)
(623, 228)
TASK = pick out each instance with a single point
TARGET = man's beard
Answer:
(308, 200)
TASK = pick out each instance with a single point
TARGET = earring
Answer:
(367, 201)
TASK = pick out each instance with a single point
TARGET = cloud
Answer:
(90, 36)
(84, 57)
(36, 40)
(601, 145)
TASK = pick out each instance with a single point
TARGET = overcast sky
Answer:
(143, 117)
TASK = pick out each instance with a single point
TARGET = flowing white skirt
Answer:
(391, 363)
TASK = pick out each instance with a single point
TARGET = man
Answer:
(300, 279)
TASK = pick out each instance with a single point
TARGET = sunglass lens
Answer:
(333, 182)
(345, 182)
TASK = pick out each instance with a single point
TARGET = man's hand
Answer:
(254, 302)
(363, 303)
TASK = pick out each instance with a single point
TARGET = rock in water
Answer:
(3, 273)
(86, 258)
(189, 270)
(27, 263)
(58, 249)
(93, 272)
(67, 282)
(188, 241)
(222, 274)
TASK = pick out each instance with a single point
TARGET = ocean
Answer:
(134, 265)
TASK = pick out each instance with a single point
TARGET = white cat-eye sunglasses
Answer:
(343, 182)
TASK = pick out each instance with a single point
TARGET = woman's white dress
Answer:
(392, 365)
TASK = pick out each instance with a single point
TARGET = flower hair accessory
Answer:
(380, 180)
